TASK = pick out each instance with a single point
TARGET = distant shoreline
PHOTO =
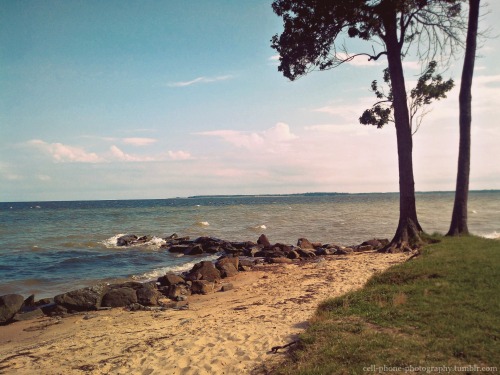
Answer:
(215, 196)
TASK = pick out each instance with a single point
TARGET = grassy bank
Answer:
(440, 309)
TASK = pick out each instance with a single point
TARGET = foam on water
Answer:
(493, 236)
(178, 268)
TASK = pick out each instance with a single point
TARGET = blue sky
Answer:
(156, 99)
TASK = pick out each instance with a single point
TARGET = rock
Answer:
(204, 270)
(179, 248)
(82, 299)
(119, 297)
(148, 295)
(363, 248)
(263, 241)
(202, 287)
(30, 302)
(175, 291)
(344, 251)
(279, 260)
(212, 249)
(44, 302)
(29, 315)
(194, 250)
(170, 279)
(10, 304)
(126, 240)
(228, 266)
(304, 244)
(252, 251)
(325, 251)
(54, 310)
(293, 255)
(309, 253)
(227, 287)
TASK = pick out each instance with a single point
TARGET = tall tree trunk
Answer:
(459, 217)
(409, 230)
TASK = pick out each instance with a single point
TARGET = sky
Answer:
(157, 99)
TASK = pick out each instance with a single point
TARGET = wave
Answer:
(203, 223)
(492, 236)
(153, 243)
(177, 268)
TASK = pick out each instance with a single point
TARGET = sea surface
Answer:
(47, 248)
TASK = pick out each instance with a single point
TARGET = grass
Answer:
(440, 309)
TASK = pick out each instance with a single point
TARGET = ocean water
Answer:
(47, 248)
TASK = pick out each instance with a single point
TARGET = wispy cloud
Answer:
(139, 141)
(200, 80)
(179, 155)
(64, 153)
(267, 139)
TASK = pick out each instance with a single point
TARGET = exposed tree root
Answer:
(408, 238)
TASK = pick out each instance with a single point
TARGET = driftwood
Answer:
(275, 349)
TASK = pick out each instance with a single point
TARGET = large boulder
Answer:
(85, 299)
(228, 266)
(202, 287)
(119, 297)
(170, 279)
(10, 304)
(148, 295)
(305, 244)
(264, 241)
(204, 270)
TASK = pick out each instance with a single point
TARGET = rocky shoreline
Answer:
(172, 291)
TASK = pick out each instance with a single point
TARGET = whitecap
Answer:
(474, 211)
(111, 241)
(203, 223)
(492, 236)
(178, 268)
(261, 227)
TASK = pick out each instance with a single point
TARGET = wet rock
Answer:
(204, 271)
(202, 287)
(131, 239)
(194, 250)
(119, 297)
(179, 248)
(84, 299)
(170, 279)
(10, 304)
(252, 251)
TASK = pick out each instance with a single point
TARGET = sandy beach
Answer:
(229, 332)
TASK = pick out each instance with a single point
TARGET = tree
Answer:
(458, 224)
(310, 40)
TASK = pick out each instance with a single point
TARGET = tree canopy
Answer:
(313, 37)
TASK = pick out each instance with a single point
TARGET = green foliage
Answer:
(430, 87)
(440, 309)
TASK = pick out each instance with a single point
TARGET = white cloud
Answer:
(139, 141)
(43, 177)
(274, 58)
(64, 153)
(278, 135)
(119, 155)
(200, 80)
(179, 155)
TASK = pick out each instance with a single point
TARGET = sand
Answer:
(228, 332)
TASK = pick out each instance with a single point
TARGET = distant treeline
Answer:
(319, 194)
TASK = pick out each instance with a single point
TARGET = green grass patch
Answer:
(439, 309)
